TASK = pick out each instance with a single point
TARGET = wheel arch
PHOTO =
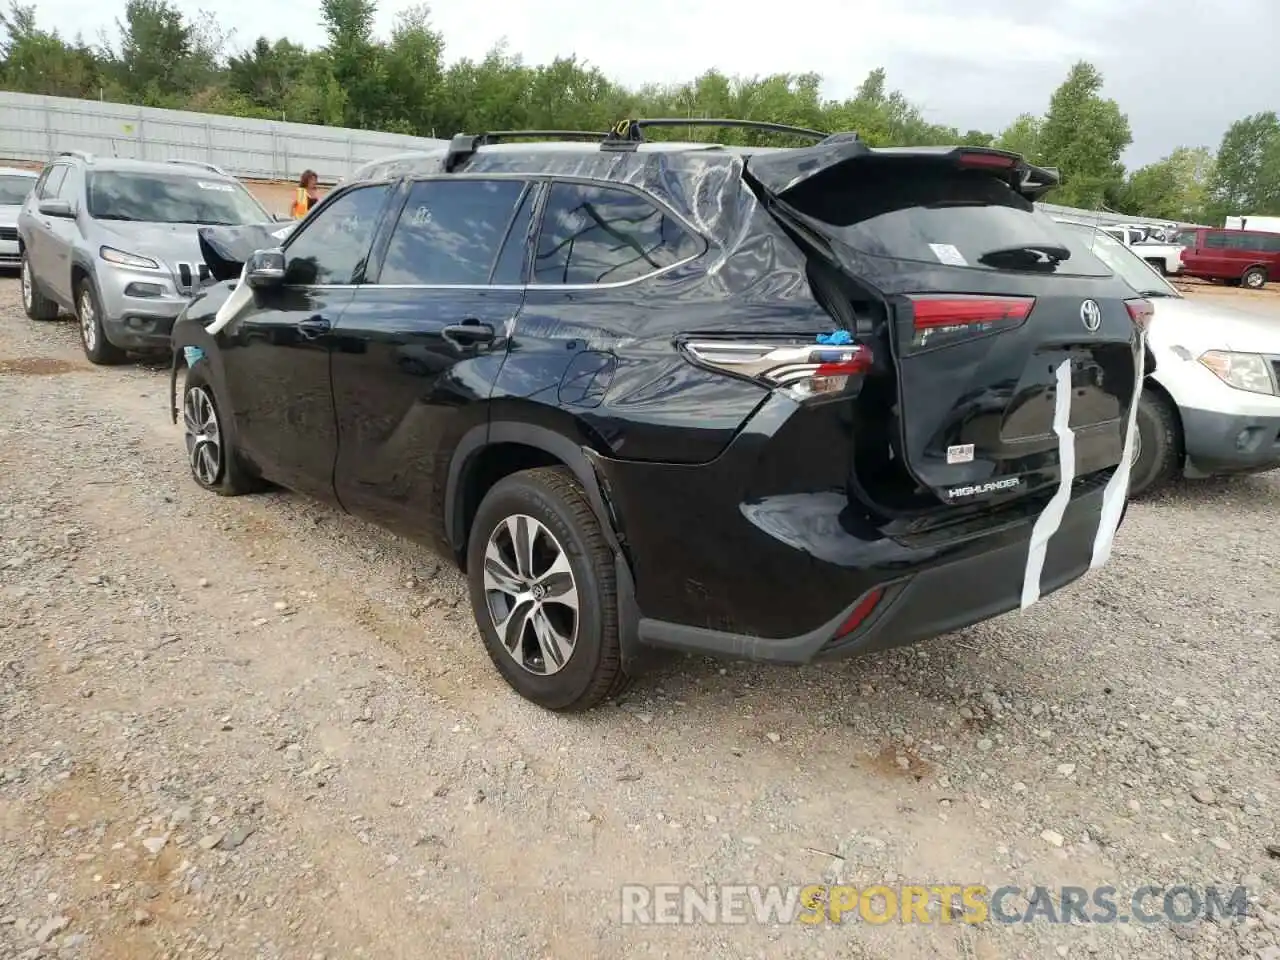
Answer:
(488, 452)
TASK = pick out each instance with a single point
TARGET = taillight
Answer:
(1140, 312)
(802, 371)
(942, 319)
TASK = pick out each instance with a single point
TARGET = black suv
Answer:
(784, 403)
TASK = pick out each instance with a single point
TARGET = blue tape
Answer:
(838, 338)
(193, 354)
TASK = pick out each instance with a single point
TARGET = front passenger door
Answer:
(276, 352)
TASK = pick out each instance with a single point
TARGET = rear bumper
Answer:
(776, 578)
(1220, 443)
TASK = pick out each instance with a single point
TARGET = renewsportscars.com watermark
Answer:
(919, 904)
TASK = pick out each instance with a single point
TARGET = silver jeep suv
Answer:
(114, 242)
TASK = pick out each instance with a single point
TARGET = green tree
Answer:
(1246, 177)
(357, 60)
(1083, 135)
(36, 61)
(1174, 188)
(162, 60)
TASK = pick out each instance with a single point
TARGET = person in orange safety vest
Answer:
(305, 197)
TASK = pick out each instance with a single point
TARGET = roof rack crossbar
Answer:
(633, 130)
(463, 145)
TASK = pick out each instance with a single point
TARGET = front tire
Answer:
(1159, 441)
(93, 337)
(543, 592)
(1255, 278)
(35, 303)
(212, 460)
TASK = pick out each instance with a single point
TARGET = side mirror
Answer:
(56, 208)
(265, 268)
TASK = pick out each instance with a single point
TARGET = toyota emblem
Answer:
(1091, 316)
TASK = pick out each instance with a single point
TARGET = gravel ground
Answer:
(256, 728)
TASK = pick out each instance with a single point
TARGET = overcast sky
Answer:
(972, 64)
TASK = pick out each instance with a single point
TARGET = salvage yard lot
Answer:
(258, 728)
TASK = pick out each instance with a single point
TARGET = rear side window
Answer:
(595, 235)
(1216, 241)
(1187, 238)
(1270, 242)
(450, 231)
(931, 213)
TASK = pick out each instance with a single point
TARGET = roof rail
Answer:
(211, 167)
(632, 131)
(84, 155)
(464, 145)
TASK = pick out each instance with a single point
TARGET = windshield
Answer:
(171, 198)
(14, 190)
(1131, 267)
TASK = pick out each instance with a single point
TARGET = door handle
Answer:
(469, 333)
(313, 327)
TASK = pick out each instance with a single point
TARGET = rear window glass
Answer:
(934, 214)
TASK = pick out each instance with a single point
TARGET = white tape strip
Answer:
(1117, 491)
(241, 297)
(1050, 519)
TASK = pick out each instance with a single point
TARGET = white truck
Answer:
(1165, 258)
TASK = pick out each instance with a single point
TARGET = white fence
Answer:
(38, 128)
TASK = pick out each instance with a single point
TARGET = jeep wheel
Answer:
(543, 591)
(97, 347)
(1255, 278)
(1156, 445)
(35, 303)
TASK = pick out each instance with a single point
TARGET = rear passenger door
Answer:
(420, 344)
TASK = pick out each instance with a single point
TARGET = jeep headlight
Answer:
(112, 255)
(1244, 371)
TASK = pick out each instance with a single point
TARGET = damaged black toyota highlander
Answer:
(777, 403)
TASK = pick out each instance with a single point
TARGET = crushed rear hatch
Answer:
(980, 301)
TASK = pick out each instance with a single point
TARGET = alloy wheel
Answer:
(1254, 281)
(27, 291)
(531, 594)
(88, 320)
(202, 436)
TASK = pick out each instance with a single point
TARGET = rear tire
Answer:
(1255, 278)
(557, 610)
(213, 462)
(93, 337)
(35, 303)
(1159, 436)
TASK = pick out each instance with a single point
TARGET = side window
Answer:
(596, 234)
(1270, 242)
(54, 182)
(69, 189)
(450, 231)
(334, 243)
(1187, 238)
(510, 266)
(1215, 241)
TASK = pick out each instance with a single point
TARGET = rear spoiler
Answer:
(225, 249)
(783, 171)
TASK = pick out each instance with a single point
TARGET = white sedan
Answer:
(1212, 405)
